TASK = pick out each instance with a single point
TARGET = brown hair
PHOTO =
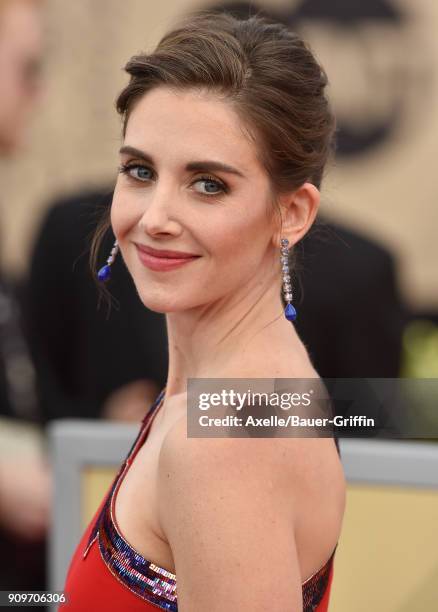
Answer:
(268, 74)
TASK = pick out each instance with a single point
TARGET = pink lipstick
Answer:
(162, 260)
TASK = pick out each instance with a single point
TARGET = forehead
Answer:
(189, 123)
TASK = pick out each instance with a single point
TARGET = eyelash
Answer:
(125, 168)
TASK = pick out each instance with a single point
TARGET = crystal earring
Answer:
(289, 312)
(104, 273)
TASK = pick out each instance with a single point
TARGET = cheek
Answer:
(123, 215)
(237, 244)
(245, 228)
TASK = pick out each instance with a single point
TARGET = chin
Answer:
(160, 303)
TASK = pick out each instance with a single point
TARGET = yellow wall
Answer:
(95, 483)
(387, 560)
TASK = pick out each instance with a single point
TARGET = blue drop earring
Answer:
(289, 312)
(104, 273)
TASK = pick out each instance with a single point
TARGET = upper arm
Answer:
(228, 517)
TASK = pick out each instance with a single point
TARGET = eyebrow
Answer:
(203, 165)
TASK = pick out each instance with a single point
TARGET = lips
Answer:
(163, 263)
(165, 254)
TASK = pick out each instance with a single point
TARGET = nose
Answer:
(158, 215)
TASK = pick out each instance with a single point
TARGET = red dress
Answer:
(106, 573)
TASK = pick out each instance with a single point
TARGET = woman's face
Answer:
(191, 182)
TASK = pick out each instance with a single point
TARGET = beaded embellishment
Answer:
(147, 580)
(315, 586)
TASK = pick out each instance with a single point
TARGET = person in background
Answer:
(348, 332)
(24, 482)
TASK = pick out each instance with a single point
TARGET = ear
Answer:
(298, 211)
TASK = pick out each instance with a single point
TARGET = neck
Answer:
(224, 339)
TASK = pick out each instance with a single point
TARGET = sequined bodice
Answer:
(147, 580)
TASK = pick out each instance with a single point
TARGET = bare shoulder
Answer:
(183, 457)
(223, 506)
(226, 503)
(285, 461)
(291, 470)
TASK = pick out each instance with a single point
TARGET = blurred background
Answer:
(367, 291)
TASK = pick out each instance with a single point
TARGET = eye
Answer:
(211, 185)
(137, 172)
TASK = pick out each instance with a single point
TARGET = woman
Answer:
(226, 134)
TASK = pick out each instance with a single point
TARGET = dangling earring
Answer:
(289, 312)
(104, 273)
